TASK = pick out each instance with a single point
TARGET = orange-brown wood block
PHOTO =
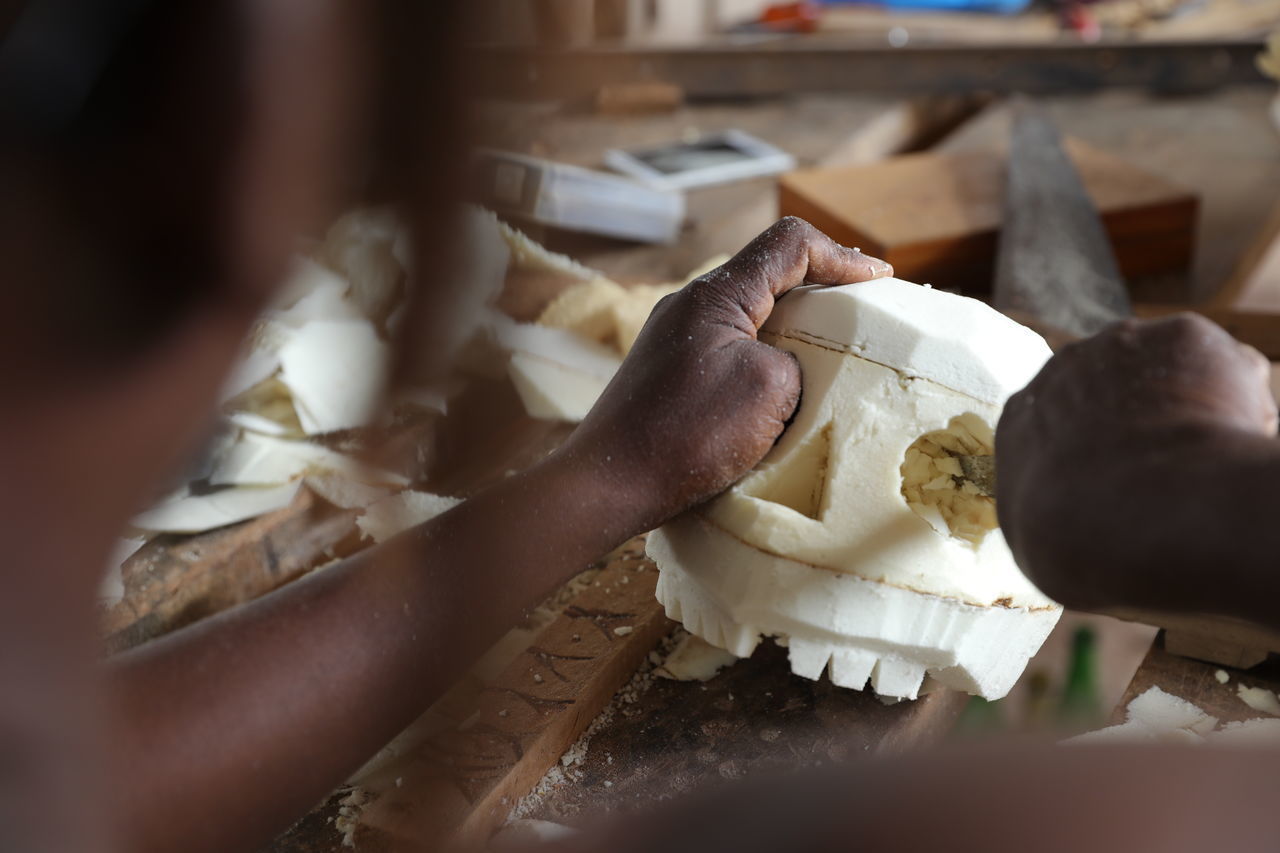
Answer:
(936, 217)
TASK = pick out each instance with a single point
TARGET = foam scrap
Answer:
(694, 659)
(1155, 716)
(1264, 731)
(1259, 699)
(385, 518)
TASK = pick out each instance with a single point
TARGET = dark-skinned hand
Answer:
(1102, 456)
(699, 400)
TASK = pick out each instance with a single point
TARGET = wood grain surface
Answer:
(174, 581)
(1197, 682)
(1213, 639)
(666, 738)
(463, 783)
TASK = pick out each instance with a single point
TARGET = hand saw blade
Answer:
(1054, 261)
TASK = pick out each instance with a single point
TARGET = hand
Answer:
(1095, 454)
(699, 401)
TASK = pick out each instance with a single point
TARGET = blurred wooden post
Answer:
(564, 23)
(710, 17)
(613, 19)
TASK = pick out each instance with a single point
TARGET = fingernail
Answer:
(879, 268)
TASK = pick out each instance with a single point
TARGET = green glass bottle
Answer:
(1081, 707)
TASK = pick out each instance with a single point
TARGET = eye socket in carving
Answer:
(800, 482)
(933, 482)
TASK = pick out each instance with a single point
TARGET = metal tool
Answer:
(1054, 261)
(979, 470)
(1054, 264)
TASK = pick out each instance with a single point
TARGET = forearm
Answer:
(297, 689)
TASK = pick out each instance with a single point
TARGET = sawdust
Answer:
(569, 769)
(349, 808)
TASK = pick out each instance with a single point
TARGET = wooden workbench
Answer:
(756, 716)
(1199, 683)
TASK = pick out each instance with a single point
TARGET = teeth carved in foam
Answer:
(857, 539)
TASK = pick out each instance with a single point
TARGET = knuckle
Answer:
(1186, 329)
(668, 304)
(793, 229)
(1126, 332)
(769, 372)
(705, 298)
(792, 223)
(1253, 356)
(1015, 406)
(1187, 323)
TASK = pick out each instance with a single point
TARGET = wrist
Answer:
(1190, 518)
(599, 492)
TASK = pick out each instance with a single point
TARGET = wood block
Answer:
(466, 780)
(1217, 639)
(906, 126)
(936, 217)
(1212, 649)
(628, 99)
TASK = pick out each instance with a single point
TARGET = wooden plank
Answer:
(987, 131)
(629, 99)
(174, 581)
(1128, 19)
(1214, 639)
(754, 718)
(783, 67)
(316, 833)
(462, 785)
(1254, 284)
(913, 124)
(923, 27)
(1197, 682)
(936, 217)
(561, 23)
